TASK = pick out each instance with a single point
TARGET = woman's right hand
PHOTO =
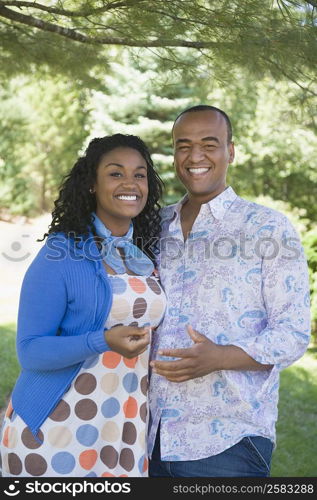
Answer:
(130, 341)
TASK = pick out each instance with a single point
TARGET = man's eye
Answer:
(183, 148)
(210, 146)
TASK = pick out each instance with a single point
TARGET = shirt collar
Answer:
(217, 206)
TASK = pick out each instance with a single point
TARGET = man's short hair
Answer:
(206, 107)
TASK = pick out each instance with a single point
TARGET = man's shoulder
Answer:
(259, 212)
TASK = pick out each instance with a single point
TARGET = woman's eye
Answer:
(140, 176)
(115, 174)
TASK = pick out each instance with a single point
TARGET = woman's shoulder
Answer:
(58, 249)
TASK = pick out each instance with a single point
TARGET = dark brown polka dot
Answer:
(29, 440)
(117, 324)
(144, 384)
(86, 409)
(35, 464)
(134, 323)
(129, 433)
(139, 307)
(154, 286)
(14, 464)
(143, 412)
(109, 456)
(85, 383)
(127, 459)
(61, 412)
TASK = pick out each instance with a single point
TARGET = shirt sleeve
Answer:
(285, 290)
(42, 306)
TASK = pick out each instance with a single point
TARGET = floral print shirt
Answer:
(240, 278)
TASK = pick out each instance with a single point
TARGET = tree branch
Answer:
(69, 13)
(313, 4)
(79, 37)
(289, 77)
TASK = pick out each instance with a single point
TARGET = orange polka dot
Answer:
(130, 407)
(87, 459)
(137, 285)
(145, 465)
(5, 439)
(123, 475)
(9, 410)
(107, 474)
(130, 363)
(111, 359)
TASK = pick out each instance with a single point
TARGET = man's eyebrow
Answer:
(211, 138)
(205, 139)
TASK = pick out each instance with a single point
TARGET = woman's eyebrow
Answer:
(114, 164)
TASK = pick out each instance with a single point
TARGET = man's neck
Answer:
(191, 208)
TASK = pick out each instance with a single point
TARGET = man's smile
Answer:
(198, 170)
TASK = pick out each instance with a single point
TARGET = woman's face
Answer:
(121, 187)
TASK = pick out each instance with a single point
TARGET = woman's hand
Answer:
(130, 341)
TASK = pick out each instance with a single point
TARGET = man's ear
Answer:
(231, 152)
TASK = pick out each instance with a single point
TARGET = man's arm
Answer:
(284, 339)
(202, 358)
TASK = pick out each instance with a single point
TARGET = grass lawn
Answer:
(296, 451)
(8, 361)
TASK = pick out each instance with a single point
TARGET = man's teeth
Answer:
(198, 170)
(127, 198)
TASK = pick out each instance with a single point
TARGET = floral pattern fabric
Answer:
(240, 278)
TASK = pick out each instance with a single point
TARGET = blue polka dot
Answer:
(91, 474)
(110, 407)
(87, 434)
(63, 462)
(119, 286)
(130, 382)
(90, 362)
(141, 463)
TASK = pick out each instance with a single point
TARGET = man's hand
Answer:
(130, 341)
(202, 358)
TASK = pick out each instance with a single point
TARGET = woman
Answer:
(88, 302)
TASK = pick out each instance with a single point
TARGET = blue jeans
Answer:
(251, 457)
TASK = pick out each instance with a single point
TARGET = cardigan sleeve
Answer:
(42, 306)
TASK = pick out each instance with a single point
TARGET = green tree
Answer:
(261, 36)
(47, 124)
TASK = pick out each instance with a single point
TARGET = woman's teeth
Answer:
(127, 198)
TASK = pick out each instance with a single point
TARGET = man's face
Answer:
(202, 153)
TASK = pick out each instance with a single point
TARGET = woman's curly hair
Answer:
(75, 203)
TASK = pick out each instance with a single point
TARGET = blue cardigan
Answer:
(64, 302)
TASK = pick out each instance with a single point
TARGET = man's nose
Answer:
(196, 154)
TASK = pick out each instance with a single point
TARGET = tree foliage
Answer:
(275, 36)
(42, 126)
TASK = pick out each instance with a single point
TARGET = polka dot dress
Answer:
(99, 427)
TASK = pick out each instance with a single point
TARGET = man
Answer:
(238, 312)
